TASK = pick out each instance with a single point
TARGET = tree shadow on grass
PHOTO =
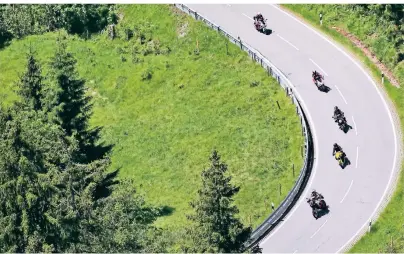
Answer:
(166, 210)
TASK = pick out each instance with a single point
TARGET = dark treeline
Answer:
(17, 20)
(57, 190)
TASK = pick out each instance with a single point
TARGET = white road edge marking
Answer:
(287, 41)
(247, 16)
(357, 155)
(388, 112)
(341, 95)
(356, 129)
(346, 193)
(318, 229)
(318, 66)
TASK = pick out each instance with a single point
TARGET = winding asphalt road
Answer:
(353, 193)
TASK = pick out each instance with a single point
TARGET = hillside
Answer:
(166, 92)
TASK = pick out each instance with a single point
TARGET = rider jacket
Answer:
(335, 149)
(338, 114)
(259, 17)
(316, 76)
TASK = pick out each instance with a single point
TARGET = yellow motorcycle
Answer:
(340, 157)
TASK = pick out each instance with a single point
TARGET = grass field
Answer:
(165, 113)
(387, 234)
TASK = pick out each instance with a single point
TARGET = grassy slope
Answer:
(391, 221)
(171, 131)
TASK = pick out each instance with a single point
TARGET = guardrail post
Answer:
(239, 40)
(272, 206)
(370, 225)
(321, 19)
(382, 78)
(196, 16)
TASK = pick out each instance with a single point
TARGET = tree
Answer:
(27, 162)
(216, 228)
(68, 103)
(30, 85)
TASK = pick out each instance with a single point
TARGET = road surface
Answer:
(355, 192)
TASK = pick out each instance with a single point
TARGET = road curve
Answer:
(353, 193)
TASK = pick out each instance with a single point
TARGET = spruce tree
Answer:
(49, 202)
(71, 107)
(30, 85)
(216, 228)
(27, 163)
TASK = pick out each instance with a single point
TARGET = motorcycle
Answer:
(260, 26)
(340, 157)
(319, 83)
(341, 121)
(317, 204)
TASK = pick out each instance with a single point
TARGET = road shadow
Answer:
(346, 163)
(268, 31)
(324, 88)
(346, 128)
(323, 212)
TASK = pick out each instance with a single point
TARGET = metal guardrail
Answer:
(281, 211)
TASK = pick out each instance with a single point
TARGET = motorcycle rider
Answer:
(315, 195)
(338, 114)
(259, 17)
(336, 148)
(316, 76)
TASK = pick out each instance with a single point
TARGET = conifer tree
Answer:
(30, 85)
(216, 228)
(49, 202)
(71, 107)
(27, 161)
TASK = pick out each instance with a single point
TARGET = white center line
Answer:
(294, 251)
(357, 155)
(247, 16)
(287, 42)
(341, 94)
(228, 5)
(356, 130)
(349, 188)
(318, 229)
(325, 73)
